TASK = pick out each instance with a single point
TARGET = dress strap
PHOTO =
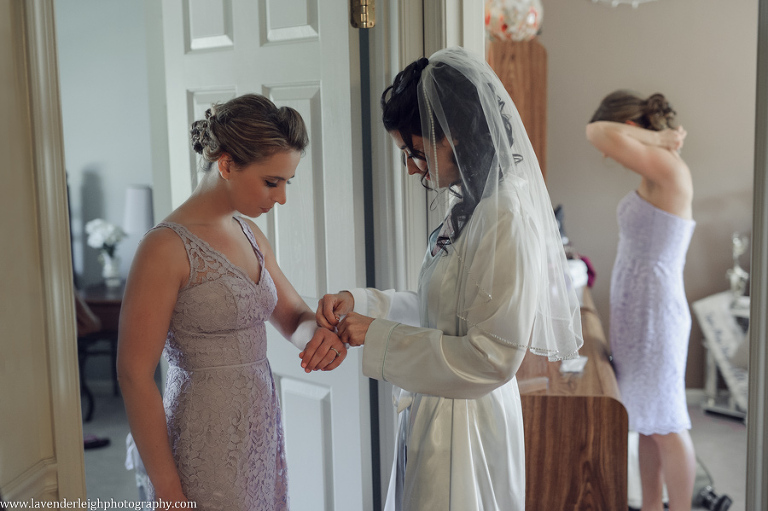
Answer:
(189, 241)
(251, 238)
(205, 263)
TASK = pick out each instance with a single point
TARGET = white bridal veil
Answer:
(461, 98)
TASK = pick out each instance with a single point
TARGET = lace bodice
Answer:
(240, 305)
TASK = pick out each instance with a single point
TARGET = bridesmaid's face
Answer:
(255, 188)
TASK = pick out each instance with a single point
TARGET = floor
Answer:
(720, 444)
(105, 474)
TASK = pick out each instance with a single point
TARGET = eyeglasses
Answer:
(404, 157)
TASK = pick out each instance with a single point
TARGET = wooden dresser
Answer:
(576, 430)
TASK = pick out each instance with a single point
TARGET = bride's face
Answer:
(436, 164)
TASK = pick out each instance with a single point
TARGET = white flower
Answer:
(104, 235)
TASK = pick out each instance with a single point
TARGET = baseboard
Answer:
(39, 483)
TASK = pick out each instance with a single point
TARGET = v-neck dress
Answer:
(221, 406)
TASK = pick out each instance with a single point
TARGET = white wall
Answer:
(702, 55)
(105, 106)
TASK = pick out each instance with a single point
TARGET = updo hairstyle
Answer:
(467, 122)
(400, 105)
(249, 128)
(654, 113)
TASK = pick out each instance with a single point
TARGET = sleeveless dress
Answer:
(650, 319)
(221, 406)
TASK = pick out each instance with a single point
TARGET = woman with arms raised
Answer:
(201, 287)
(650, 320)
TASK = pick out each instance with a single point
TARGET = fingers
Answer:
(352, 329)
(311, 359)
(325, 315)
(322, 352)
(309, 351)
(343, 328)
(337, 354)
(336, 362)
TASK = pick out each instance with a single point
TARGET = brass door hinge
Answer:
(362, 13)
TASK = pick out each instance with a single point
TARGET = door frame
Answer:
(402, 215)
(757, 415)
(66, 472)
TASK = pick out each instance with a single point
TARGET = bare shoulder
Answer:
(162, 240)
(162, 253)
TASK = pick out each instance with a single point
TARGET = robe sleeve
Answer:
(499, 326)
(399, 306)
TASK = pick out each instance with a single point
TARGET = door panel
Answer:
(302, 54)
(302, 254)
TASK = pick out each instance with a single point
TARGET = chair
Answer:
(89, 335)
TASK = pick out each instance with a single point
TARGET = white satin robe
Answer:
(461, 427)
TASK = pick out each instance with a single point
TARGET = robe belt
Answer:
(402, 399)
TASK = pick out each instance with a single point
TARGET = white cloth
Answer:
(462, 103)
(461, 422)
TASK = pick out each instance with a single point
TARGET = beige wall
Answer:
(702, 55)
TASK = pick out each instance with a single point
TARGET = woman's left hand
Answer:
(353, 328)
(324, 352)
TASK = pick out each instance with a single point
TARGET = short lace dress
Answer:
(223, 415)
(650, 318)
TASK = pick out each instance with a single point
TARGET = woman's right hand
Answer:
(331, 307)
(672, 139)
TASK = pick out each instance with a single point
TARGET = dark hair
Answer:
(466, 118)
(400, 104)
(654, 113)
(249, 128)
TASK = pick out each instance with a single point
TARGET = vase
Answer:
(110, 270)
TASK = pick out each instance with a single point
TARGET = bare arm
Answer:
(159, 269)
(292, 316)
(652, 154)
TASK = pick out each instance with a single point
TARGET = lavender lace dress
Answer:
(223, 415)
(650, 319)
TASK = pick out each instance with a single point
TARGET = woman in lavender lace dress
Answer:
(200, 289)
(650, 319)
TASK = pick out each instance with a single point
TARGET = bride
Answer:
(493, 285)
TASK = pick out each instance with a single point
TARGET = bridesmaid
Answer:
(200, 289)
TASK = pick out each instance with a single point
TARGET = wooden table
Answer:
(105, 302)
(576, 431)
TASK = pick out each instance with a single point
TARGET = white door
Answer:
(304, 54)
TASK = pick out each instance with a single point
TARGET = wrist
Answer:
(359, 300)
(303, 333)
(349, 295)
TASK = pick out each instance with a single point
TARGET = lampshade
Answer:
(138, 209)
